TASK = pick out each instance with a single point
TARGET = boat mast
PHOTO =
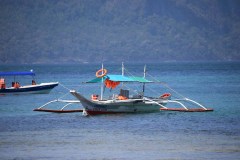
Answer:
(122, 73)
(122, 69)
(102, 85)
(144, 75)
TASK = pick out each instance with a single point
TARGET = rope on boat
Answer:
(166, 85)
(64, 86)
(59, 99)
(173, 101)
(145, 98)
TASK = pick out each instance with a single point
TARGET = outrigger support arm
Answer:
(60, 100)
(186, 99)
(145, 98)
(47, 103)
(178, 103)
(66, 105)
(68, 101)
(195, 103)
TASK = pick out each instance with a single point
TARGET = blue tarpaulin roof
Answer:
(120, 78)
(17, 73)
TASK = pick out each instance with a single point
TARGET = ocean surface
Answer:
(27, 134)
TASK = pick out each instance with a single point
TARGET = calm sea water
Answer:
(25, 134)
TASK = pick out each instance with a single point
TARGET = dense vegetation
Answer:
(77, 31)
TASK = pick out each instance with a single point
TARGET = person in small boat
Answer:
(33, 82)
(122, 97)
(94, 97)
(124, 94)
(2, 83)
(16, 85)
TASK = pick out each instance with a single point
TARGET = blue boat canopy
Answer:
(17, 74)
(120, 78)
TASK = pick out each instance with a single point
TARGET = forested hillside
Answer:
(79, 31)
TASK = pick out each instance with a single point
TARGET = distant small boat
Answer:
(16, 88)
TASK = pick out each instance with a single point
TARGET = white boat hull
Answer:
(42, 88)
(94, 107)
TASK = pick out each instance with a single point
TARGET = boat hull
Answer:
(116, 106)
(96, 110)
(42, 88)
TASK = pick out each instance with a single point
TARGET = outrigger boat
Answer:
(16, 88)
(123, 102)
